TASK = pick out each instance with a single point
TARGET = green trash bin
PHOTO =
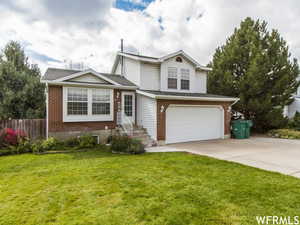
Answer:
(248, 126)
(241, 128)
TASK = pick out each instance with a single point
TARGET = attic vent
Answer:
(179, 59)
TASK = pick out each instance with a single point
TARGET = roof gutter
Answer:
(89, 85)
(171, 97)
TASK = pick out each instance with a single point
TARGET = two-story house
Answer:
(164, 96)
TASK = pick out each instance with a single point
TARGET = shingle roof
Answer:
(184, 94)
(119, 79)
(55, 73)
(142, 56)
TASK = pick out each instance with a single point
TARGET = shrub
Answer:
(46, 145)
(137, 147)
(50, 144)
(37, 147)
(22, 147)
(285, 133)
(86, 141)
(1, 139)
(72, 142)
(120, 143)
(125, 144)
(11, 137)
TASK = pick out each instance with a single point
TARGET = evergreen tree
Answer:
(255, 66)
(21, 93)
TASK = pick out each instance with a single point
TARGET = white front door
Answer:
(128, 107)
(193, 123)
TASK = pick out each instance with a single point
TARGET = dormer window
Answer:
(172, 78)
(179, 59)
(185, 79)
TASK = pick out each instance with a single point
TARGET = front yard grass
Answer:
(158, 188)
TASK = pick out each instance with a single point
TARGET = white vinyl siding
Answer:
(89, 78)
(97, 96)
(199, 84)
(146, 115)
(132, 69)
(150, 76)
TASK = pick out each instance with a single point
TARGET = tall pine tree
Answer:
(255, 66)
(21, 93)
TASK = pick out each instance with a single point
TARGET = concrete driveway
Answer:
(279, 155)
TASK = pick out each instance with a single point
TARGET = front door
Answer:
(128, 107)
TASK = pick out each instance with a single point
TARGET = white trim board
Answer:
(89, 117)
(78, 74)
(62, 83)
(187, 97)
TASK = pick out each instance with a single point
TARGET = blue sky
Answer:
(129, 5)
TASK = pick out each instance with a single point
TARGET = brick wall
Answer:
(56, 124)
(161, 116)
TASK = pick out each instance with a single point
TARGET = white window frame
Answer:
(185, 78)
(89, 116)
(170, 77)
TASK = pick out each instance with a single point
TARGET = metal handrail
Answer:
(127, 122)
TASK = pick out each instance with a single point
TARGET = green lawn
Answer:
(158, 188)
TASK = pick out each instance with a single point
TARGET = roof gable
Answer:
(157, 60)
(89, 78)
(89, 71)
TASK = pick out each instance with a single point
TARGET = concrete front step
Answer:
(142, 135)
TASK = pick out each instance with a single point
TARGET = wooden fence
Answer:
(34, 128)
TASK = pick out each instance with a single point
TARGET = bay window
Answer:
(87, 104)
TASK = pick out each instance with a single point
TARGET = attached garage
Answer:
(184, 117)
(193, 123)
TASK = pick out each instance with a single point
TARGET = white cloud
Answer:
(92, 33)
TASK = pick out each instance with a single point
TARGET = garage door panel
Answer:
(193, 123)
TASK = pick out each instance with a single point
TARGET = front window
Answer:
(172, 78)
(87, 104)
(101, 102)
(185, 79)
(77, 101)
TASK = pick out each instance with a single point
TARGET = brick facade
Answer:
(55, 115)
(161, 116)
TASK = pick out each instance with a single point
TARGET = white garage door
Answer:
(193, 123)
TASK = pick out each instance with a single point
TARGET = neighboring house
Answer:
(294, 107)
(165, 96)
